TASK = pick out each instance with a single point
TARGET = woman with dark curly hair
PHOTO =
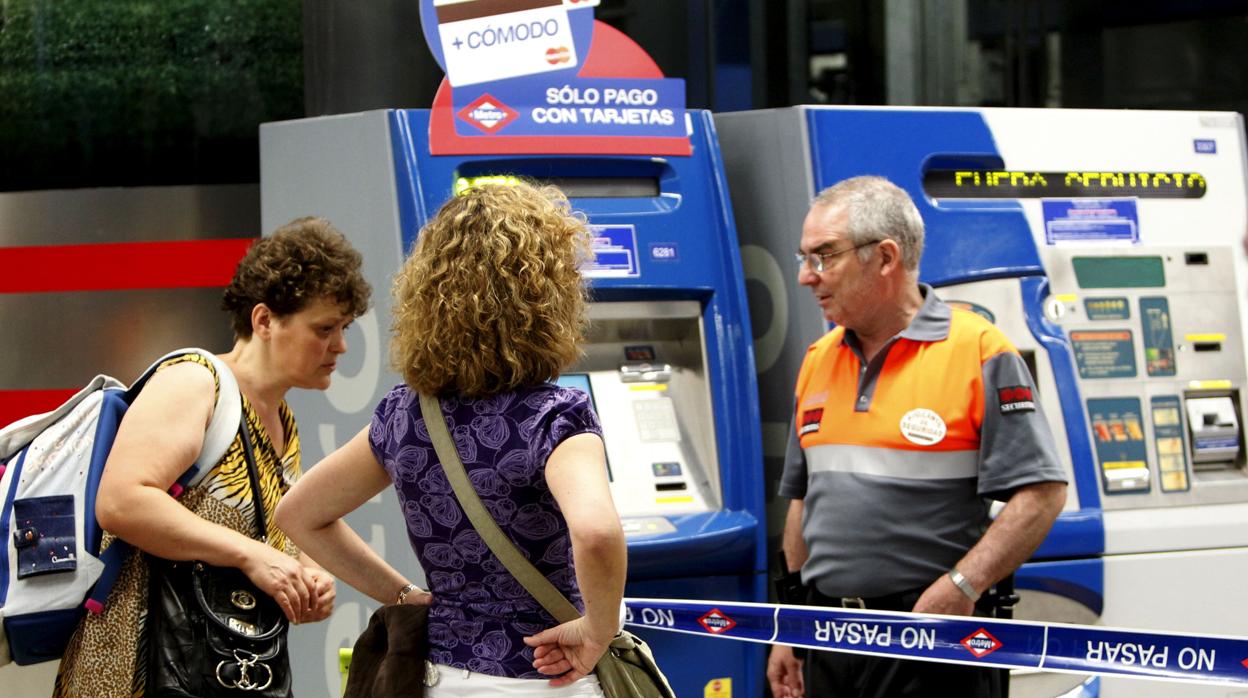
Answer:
(290, 302)
(490, 308)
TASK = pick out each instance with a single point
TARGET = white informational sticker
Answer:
(923, 427)
(487, 40)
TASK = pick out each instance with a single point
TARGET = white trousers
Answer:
(461, 683)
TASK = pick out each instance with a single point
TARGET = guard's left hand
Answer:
(325, 595)
(945, 598)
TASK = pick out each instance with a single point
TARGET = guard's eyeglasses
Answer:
(818, 261)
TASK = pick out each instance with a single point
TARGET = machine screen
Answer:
(580, 381)
(1010, 184)
(1120, 272)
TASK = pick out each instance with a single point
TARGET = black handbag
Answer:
(210, 631)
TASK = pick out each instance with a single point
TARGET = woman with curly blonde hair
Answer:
(489, 309)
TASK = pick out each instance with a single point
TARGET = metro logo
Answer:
(558, 55)
(1016, 398)
(716, 622)
(981, 643)
(488, 114)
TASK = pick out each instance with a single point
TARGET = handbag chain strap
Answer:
(253, 474)
(503, 548)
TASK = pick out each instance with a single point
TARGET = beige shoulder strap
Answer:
(546, 594)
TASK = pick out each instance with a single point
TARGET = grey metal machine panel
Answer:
(1203, 300)
(767, 160)
(348, 177)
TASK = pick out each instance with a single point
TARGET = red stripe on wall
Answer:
(120, 265)
(15, 404)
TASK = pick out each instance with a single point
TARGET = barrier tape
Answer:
(989, 642)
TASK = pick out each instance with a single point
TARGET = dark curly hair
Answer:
(306, 259)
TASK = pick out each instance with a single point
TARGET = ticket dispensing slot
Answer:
(644, 366)
(1215, 431)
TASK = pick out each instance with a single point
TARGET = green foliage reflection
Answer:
(135, 92)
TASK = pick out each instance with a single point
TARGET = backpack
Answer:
(52, 572)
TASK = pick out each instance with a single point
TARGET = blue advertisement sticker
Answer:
(615, 253)
(1205, 146)
(1082, 220)
(580, 107)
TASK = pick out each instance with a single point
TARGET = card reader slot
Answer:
(670, 486)
(1207, 346)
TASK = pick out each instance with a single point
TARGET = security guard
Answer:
(910, 416)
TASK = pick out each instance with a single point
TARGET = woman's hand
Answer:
(289, 583)
(325, 595)
(568, 651)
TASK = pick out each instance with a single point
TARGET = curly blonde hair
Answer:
(302, 261)
(491, 297)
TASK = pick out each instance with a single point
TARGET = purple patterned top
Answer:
(480, 614)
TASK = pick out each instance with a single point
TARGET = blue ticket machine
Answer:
(668, 363)
(1105, 245)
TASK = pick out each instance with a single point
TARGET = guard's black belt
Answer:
(901, 601)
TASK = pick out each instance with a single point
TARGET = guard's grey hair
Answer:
(878, 210)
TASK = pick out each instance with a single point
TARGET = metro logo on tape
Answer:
(488, 114)
(488, 40)
(981, 643)
(716, 622)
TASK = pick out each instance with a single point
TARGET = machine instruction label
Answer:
(1090, 220)
(1118, 428)
(1104, 353)
(1168, 436)
(1158, 340)
(615, 252)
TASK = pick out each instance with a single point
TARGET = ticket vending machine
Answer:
(668, 361)
(1105, 244)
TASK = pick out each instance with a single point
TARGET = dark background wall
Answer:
(101, 93)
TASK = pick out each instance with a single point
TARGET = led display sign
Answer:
(1017, 184)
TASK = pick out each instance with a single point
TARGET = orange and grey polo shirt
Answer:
(896, 459)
